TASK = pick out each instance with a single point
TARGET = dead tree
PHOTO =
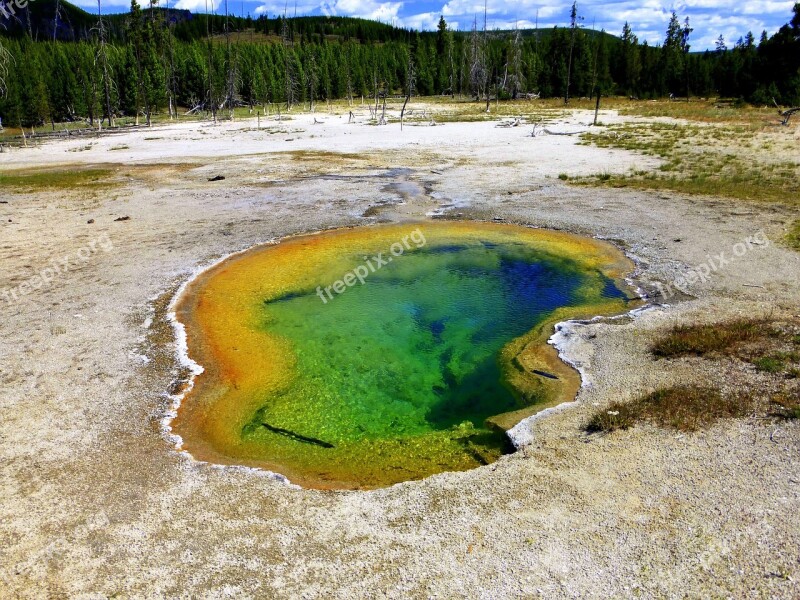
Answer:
(312, 79)
(210, 104)
(478, 77)
(514, 79)
(349, 80)
(168, 60)
(785, 115)
(5, 62)
(289, 66)
(101, 61)
(411, 75)
(55, 19)
(376, 90)
(231, 71)
(573, 15)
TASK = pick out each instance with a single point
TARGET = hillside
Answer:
(75, 24)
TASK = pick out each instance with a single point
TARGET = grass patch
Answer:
(776, 363)
(88, 179)
(769, 364)
(702, 159)
(788, 404)
(699, 340)
(793, 237)
(684, 408)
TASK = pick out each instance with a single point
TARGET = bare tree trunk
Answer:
(5, 61)
(212, 105)
(596, 108)
(573, 27)
(410, 88)
(787, 114)
(55, 19)
(231, 74)
(103, 56)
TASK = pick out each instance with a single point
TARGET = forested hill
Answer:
(77, 67)
(39, 22)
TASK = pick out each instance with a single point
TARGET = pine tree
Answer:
(673, 54)
(630, 62)
(686, 31)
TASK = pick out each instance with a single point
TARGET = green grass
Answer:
(699, 340)
(684, 408)
(775, 363)
(88, 179)
(769, 364)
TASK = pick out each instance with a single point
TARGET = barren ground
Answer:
(94, 502)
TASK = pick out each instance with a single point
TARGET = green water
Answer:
(412, 354)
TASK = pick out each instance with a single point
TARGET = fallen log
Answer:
(787, 114)
(553, 132)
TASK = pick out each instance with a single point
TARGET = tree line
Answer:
(153, 61)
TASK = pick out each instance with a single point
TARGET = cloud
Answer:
(422, 21)
(198, 5)
(648, 18)
(385, 12)
(108, 6)
(272, 8)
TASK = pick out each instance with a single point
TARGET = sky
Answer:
(648, 18)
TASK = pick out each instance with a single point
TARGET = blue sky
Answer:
(648, 18)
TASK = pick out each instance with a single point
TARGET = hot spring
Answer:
(360, 358)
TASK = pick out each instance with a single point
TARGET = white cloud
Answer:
(386, 12)
(272, 8)
(198, 5)
(422, 21)
(648, 18)
(107, 6)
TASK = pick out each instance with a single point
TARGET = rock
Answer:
(125, 218)
(90, 221)
(218, 178)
